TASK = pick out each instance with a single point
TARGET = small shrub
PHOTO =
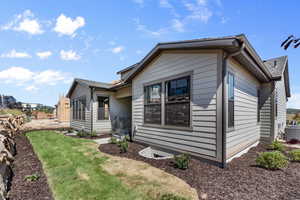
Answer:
(182, 161)
(295, 155)
(123, 145)
(113, 140)
(33, 177)
(277, 146)
(272, 160)
(171, 197)
(93, 134)
(81, 133)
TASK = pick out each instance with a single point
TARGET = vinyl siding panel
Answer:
(79, 91)
(246, 130)
(266, 111)
(201, 139)
(280, 120)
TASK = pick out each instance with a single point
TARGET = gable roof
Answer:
(276, 66)
(230, 44)
(88, 83)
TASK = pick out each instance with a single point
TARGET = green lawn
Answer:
(73, 168)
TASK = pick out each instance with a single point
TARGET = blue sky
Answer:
(45, 44)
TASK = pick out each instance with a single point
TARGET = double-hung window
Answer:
(177, 104)
(78, 108)
(152, 105)
(230, 81)
(103, 108)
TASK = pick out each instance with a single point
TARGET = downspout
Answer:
(224, 113)
(92, 105)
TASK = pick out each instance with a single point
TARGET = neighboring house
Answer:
(7, 101)
(62, 110)
(213, 98)
(32, 106)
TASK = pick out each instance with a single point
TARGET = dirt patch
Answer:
(240, 180)
(27, 163)
(147, 179)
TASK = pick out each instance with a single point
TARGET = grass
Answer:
(73, 168)
(10, 111)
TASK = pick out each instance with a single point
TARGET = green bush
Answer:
(171, 197)
(93, 134)
(277, 146)
(81, 133)
(182, 161)
(295, 155)
(33, 177)
(123, 145)
(272, 160)
(113, 140)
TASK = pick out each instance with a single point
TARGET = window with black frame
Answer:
(230, 100)
(152, 104)
(103, 108)
(177, 105)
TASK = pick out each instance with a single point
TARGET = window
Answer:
(177, 104)
(276, 103)
(103, 108)
(230, 81)
(78, 108)
(258, 105)
(152, 105)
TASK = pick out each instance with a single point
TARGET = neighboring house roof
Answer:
(278, 67)
(88, 83)
(230, 44)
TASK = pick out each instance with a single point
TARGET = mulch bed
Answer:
(27, 163)
(241, 180)
(92, 137)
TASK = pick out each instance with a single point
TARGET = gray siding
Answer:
(246, 129)
(79, 91)
(201, 140)
(280, 120)
(119, 111)
(266, 111)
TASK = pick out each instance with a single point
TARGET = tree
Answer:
(291, 39)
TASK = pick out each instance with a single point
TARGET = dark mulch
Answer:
(92, 137)
(240, 180)
(27, 163)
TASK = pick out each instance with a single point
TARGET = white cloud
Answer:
(49, 77)
(117, 49)
(16, 74)
(21, 75)
(294, 101)
(31, 88)
(147, 31)
(44, 54)
(24, 22)
(69, 55)
(68, 26)
(165, 4)
(198, 11)
(178, 25)
(140, 2)
(14, 54)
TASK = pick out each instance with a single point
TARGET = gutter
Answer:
(224, 113)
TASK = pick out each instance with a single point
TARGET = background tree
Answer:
(291, 40)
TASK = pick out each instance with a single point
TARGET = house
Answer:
(214, 98)
(62, 109)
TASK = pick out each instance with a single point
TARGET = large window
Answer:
(174, 108)
(78, 108)
(152, 105)
(103, 108)
(230, 81)
(177, 105)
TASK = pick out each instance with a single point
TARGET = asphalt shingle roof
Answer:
(276, 66)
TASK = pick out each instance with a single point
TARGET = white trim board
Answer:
(242, 152)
